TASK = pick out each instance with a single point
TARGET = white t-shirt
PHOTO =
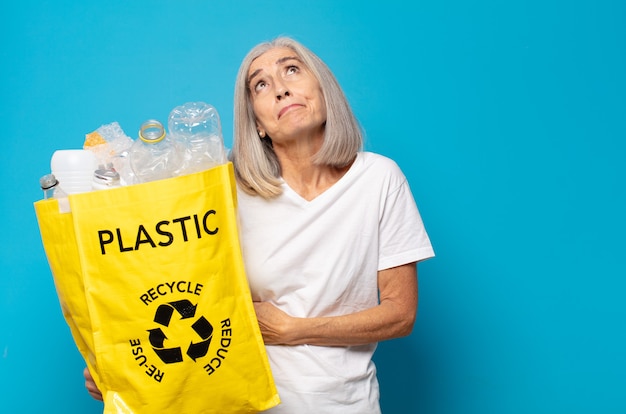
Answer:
(321, 258)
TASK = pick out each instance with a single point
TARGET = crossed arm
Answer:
(392, 318)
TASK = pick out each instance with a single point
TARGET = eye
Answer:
(259, 86)
(291, 69)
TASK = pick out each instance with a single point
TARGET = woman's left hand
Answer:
(273, 322)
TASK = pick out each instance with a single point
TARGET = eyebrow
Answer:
(278, 62)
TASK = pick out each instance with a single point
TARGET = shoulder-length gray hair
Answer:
(256, 166)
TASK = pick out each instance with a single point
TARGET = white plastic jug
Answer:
(74, 169)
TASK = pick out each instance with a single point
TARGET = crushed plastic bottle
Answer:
(196, 125)
(154, 156)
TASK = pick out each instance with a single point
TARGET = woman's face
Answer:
(286, 97)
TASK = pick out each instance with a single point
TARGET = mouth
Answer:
(286, 109)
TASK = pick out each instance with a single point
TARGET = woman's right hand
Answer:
(91, 386)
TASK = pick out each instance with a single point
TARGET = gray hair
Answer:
(256, 166)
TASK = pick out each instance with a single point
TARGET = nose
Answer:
(281, 91)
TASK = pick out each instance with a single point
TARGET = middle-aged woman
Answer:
(330, 235)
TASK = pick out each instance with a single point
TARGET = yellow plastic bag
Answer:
(151, 282)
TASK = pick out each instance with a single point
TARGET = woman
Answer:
(330, 235)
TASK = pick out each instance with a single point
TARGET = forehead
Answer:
(270, 58)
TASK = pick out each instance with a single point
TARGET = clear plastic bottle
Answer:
(154, 156)
(196, 125)
(51, 188)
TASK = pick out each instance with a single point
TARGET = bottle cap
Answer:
(106, 177)
(48, 181)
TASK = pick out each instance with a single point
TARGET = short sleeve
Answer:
(402, 236)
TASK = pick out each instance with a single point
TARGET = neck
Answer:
(307, 179)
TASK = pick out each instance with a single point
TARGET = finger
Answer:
(91, 386)
(96, 395)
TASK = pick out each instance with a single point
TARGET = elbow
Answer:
(405, 324)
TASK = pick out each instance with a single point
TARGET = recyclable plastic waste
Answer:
(110, 158)
(50, 186)
(197, 126)
(154, 155)
(110, 145)
(74, 168)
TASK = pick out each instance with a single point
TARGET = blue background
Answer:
(507, 118)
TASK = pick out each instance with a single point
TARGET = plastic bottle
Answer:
(154, 156)
(51, 188)
(196, 125)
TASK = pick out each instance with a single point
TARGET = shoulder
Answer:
(378, 161)
(377, 165)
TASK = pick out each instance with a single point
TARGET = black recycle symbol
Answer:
(201, 326)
